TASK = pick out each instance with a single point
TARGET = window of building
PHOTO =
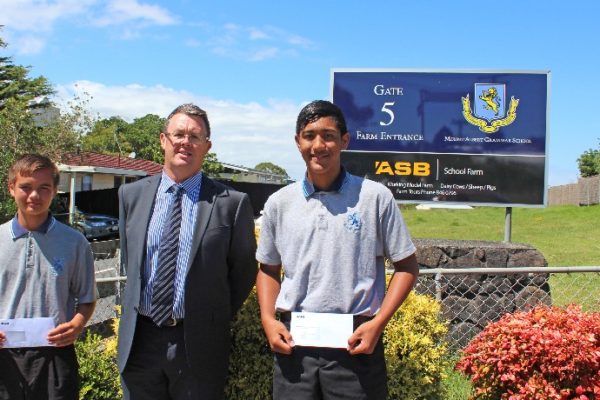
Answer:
(86, 183)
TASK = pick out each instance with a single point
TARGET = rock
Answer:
(527, 258)
(459, 309)
(493, 307)
(459, 335)
(531, 297)
(496, 258)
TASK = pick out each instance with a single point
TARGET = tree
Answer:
(16, 84)
(114, 135)
(142, 137)
(589, 163)
(105, 136)
(50, 134)
(211, 165)
(19, 134)
(271, 168)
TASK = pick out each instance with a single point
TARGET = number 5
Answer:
(389, 112)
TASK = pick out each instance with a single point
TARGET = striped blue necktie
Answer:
(163, 288)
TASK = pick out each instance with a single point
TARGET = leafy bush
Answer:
(251, 360)
(545, 353)
(415, 353)
(589, 162)
(416, 350)
(98, 372)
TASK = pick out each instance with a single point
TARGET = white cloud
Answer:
(243, 133)
(193, 43)
(264, 54)
(28, 22)
(118, 12)
(39, 16)
(300, 41)
(257, 34)
(231, 27)
(250, 43)
(29, 44)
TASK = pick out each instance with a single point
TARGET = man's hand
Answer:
(280, 339)
(2, 339)
(66, 334)
(365, 337)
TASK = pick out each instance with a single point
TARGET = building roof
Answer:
(97, 160)
(241, 168)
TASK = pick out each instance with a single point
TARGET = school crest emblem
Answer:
(57, 266)
(489, 107)
(353, 222)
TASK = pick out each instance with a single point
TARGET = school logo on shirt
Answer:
(57, 266)
(353, 222)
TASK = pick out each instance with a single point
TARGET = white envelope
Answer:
(321, 329)
(26, 332)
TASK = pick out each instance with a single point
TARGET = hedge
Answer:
(415, 351)
(545, 353)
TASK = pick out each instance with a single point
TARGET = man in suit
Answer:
(187, 245)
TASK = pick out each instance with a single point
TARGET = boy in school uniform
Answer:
(330, 233)
(46, 271)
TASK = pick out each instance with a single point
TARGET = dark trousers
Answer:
(157, 367)
(311, 373)
(39, 373)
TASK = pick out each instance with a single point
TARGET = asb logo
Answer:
(490, 107)
(402, 168)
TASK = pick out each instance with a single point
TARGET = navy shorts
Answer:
(328, 374)
(39, 373)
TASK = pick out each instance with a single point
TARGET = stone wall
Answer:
(471, 301)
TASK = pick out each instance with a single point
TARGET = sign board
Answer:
(467, 137)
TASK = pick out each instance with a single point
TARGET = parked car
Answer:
(92, 226)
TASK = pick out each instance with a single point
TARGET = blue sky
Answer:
(253, 64)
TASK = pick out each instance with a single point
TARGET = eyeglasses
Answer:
(193, 139)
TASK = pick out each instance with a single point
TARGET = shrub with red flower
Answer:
(545, 353)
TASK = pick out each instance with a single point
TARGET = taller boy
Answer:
(331, 233)
(46, 270)
(188, 245)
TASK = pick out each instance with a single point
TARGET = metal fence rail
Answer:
(470, 298)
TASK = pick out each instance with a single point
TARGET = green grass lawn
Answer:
(457, 386)
(566, 235)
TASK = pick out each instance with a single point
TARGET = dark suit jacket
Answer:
(221, 272)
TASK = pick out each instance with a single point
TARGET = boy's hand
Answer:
(2, 339)
(364, 339)
(278, 336)
(66, 334)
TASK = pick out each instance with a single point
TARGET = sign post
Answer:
(507, 224)
(458, 137)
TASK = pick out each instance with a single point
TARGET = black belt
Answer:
(286, 316)
(170, 323)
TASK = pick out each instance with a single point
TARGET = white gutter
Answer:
(99, 170)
